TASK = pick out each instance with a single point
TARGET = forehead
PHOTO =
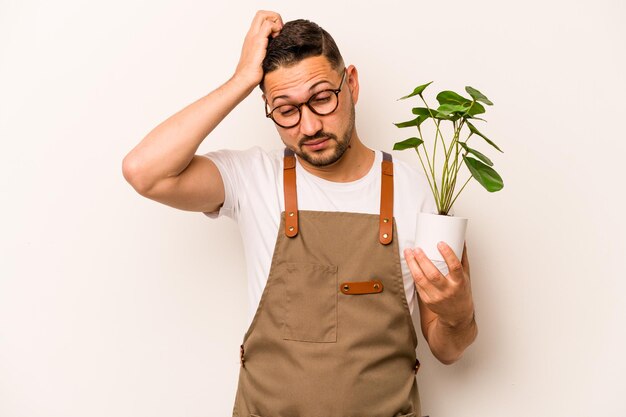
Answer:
(297, 82)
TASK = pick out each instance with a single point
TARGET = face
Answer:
(318, 140)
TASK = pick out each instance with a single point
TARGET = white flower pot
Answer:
(434, 228)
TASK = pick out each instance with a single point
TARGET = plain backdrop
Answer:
(114, 305)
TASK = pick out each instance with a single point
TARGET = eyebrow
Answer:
(310, 89)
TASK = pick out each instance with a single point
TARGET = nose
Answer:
(310, 123)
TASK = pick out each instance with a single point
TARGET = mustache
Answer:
(318, 135)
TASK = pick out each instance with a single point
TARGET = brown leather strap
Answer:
(363, 287)
(386, 200)
(386, 197)
(291, 196)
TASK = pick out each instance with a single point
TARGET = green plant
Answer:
(457, 110)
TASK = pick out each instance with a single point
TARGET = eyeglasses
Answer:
(321, 103)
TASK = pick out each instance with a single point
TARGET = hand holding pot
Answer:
(449, 296)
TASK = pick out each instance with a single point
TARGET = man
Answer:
(331, 333)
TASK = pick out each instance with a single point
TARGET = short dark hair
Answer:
(297, 40)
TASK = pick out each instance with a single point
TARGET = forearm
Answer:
(168, 149)
(448, 341)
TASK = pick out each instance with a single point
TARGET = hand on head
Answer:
(264, 25)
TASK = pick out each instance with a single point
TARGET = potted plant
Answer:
(443, 164)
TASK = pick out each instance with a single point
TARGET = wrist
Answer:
(244, 82)
(458, 324)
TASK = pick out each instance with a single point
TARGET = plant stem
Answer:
(433, 190)
(438, 132)
(456, 165)
(448, 177)
(438, 195)
(432, 167)
(457, 194)
(453, 175)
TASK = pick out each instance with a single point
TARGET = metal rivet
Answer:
(346, 287)
(376, 286)
(291, 228)
(291, 214)
(385, 220)
(385, 235)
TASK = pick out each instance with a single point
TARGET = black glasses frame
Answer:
(336, 91)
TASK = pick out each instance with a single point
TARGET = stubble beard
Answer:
(327, 156)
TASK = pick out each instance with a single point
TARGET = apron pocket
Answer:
(310, 302)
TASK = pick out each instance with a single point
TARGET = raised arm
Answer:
(164, 167)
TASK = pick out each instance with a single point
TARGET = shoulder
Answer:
(412, 184)
(253, 163)
(249, 176)
(254, 155)
(405, 171)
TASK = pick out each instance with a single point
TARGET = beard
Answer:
(335, 147)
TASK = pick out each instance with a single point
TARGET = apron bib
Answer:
(332, 335)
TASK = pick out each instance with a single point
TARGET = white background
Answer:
(114, 305)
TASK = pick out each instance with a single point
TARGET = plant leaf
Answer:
(448, 109)
(485, 175)
(477, 95)
(423, 111)
(474, 130)
(407, 144)
(443, 116)
(476, 154)
(469, 116)
(418, 90)
(476, 109)
(415, 122)
(450, 97)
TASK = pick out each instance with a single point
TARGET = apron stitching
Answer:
(408, 317)
(279, 241)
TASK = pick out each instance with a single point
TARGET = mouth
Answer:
(316, 144)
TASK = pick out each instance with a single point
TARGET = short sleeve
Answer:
(229, 164)
(249, 176)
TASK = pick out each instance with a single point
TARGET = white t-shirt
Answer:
(253, 184)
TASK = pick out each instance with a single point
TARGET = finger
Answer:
(432, 273)
(279, 20)
(264, 15)
(454, 265)
(276, 28)
(420, 279)
(465, 260)
(278, 24)
(270, 27)
(259, 19)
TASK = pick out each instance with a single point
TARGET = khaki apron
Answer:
(332, 335)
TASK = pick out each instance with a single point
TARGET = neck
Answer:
(356, 161)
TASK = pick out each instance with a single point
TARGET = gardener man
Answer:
(324, 221)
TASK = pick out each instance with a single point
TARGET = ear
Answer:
(352, 81)
(265, 105)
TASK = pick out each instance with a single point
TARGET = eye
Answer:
(287, 110)
(322, 97)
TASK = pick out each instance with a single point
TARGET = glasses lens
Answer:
(324, 102)
(286, 115)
